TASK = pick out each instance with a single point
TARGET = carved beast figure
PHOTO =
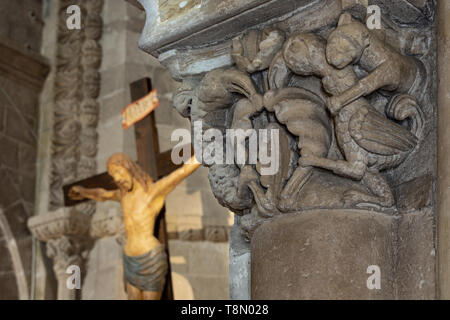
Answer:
(352, 43)
(369, 140)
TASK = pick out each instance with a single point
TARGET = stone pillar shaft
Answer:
(443, 181)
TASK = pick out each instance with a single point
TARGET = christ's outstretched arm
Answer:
(97, 194)
(167, 184)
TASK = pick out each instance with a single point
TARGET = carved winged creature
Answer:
(369, 140)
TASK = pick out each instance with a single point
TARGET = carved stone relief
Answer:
(77, 86)
(355, 109)
(353, 106)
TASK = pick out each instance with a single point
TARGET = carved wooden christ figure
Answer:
(145, 260)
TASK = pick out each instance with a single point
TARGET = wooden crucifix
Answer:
(154, 163)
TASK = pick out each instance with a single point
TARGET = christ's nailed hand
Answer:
(75, 193)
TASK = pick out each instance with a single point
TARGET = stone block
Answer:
(199, 258)
(416, 256)
(9, 194)
(164, 114)
(104, 275)
(224, 219)
(27, 186)
(208, 258)
(113, 79)
(216, 233)
(109, 254)
(199, 270)
(323, 254)
(209, 288)
(111, 105)
(110, 140)
(18, 26)
(9, 286)
(199, 180)
(213, 208)
(19, 127)
(88, 289)
(2, 118)
(137, 70)
(19, 97)
(107, 286)
(164, 137)
(9, 155)
(6, 264)
(27, 159)
(177, 200)
(114, 45)
(171, 225)
(179, 255)
(129, 143)
(190, 227)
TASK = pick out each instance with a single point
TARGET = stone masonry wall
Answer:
(20, 31)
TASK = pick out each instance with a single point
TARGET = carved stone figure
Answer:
(145, 260)
(254, 51)
(350, 43)
(356, 114)
(370, 141)
(312, 93)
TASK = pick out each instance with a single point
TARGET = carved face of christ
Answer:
(121, 176)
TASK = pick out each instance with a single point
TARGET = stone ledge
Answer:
(193, 22)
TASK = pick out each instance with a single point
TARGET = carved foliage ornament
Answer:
(77, 86)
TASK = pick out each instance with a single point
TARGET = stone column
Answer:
(443, 182)
(323, 254)
(348, 200)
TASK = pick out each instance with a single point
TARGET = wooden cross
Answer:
(155, 163)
